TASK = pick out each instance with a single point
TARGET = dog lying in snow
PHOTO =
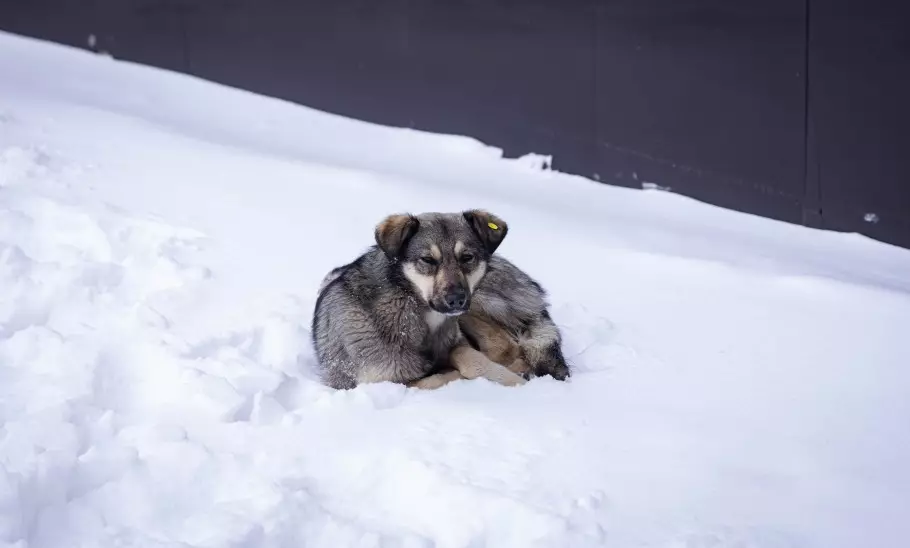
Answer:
(430, 303)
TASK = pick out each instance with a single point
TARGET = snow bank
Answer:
(739, 382)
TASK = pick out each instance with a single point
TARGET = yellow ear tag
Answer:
(494, 226)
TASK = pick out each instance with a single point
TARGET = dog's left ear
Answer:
(393, 233)
(489, 228)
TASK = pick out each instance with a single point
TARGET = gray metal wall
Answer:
(790, 109)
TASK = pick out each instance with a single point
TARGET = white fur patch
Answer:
(475, 277)
(423, 284)
(434, 319)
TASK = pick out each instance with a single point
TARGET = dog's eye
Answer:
(466, 258)
(428, 260)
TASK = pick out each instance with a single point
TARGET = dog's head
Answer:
(443, 255)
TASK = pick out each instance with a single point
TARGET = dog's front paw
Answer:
(521, 368)
(436, 381)
(512, 380)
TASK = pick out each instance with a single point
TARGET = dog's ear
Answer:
(489, 228)
(393, 233)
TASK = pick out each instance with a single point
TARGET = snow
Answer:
(738, 381)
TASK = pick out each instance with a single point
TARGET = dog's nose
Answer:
(456, 298)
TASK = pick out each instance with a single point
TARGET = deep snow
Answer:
(738, 382)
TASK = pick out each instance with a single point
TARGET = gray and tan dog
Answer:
(430, 303)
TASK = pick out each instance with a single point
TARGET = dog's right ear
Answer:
(393, 233)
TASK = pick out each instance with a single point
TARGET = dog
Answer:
(406, 309)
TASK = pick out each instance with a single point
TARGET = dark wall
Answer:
(859, 106)
(791, 109)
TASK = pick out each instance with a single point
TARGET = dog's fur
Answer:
(430, 303)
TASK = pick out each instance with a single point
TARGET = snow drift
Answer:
(738, 381)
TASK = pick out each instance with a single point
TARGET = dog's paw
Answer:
(513, 380)
(436, 381)
(520, 368)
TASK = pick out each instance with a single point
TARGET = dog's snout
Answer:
(456, 298)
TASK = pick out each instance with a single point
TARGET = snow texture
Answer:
(738, 381)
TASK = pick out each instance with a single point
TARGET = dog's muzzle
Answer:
(455, 302)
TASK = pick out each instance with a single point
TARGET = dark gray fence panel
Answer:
(860, 115)
(705, 96)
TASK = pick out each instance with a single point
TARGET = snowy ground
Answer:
(739, 382)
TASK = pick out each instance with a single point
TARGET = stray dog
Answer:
(394, 313)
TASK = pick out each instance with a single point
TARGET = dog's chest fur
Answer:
(440, 336)
(434, 320)
(412, 324)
